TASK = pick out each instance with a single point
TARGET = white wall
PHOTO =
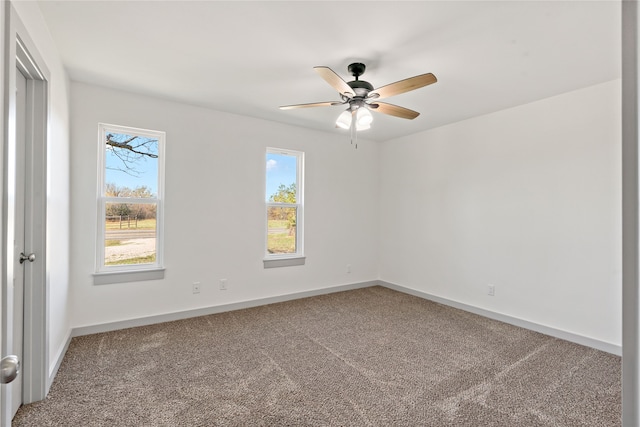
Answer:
(215, 208)
(57, 180)
(527, 199)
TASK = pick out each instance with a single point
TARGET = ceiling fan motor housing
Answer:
(360, 87)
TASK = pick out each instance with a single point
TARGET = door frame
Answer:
(21, 53)
(630, 213)
(4, 19)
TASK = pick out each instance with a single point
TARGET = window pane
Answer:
(131, 165)
(281, 230)
(130, 233)
(281, 178)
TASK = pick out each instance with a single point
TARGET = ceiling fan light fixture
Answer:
(363, 118)
(344, 120)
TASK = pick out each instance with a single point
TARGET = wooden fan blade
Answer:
(313, 104)
(335, 81)
(394, 110)
(403, 86)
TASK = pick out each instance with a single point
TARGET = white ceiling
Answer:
(251, 57)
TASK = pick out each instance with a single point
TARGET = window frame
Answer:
(298, 257)
(105, 274)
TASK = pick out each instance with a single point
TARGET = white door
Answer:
(19, 234)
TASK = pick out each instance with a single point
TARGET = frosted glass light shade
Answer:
(363, 119)
(364, 116)
(344, 120)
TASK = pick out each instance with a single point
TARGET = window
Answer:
(284, 208)
(130, 201)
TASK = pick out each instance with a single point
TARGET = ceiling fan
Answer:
(361, 97)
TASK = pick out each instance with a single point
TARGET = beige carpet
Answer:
(368, 357)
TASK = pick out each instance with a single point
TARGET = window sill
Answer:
(110, 277)
(283, 262)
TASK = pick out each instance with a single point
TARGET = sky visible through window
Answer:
(281, 169)
(141, 172)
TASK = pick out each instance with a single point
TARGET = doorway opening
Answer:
(24, 269)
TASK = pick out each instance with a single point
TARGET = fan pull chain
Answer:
(351, 133)
(353, 126)
(354, 137)
(354, 133)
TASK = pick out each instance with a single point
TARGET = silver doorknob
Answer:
(9, 369)
(30, 257)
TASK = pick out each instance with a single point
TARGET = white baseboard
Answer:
(557, 333)
(169, 317)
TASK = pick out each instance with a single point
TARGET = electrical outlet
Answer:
(348, 268)
(195, 287)
(223, 284)
(492, 290)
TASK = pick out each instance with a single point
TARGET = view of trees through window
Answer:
(281, 235)
(130, 196)
(282, 203)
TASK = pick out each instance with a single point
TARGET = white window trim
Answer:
(129, 273)
(297, 258)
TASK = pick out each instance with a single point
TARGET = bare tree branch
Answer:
(130, 154)
(125, 145)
